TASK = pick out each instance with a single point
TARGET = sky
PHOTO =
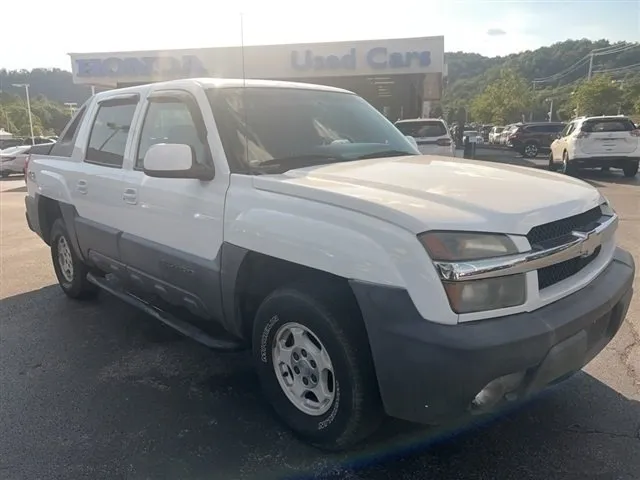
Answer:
(44, 34)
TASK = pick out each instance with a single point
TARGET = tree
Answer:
(504, 100)
(598, 96)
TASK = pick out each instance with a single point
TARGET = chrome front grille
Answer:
(553, 274)
(560, 228)
(556, 231)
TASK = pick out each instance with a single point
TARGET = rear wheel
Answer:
(315, 366)
(4, 174)
(70, 270)
(530, 150)
(567, 168)
(630, 169)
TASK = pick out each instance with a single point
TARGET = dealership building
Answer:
(400, 77)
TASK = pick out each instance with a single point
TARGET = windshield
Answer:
(291, 128)
(422, 129)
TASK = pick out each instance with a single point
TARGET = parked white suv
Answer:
(365, 278)
(431, 134)
(592, 142)
(494, 134)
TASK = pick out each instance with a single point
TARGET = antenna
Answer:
(244, 72)
(244, 89)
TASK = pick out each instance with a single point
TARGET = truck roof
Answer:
(224, 83)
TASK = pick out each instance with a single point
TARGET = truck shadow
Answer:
(134, 393)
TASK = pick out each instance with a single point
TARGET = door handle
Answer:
(130, 196)
(82, 187)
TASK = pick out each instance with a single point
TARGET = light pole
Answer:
(550, 113)
(621, 84)
(26, 89)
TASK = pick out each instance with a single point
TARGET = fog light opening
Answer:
(496, 390)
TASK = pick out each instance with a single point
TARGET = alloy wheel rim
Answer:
(64, 259)
(530, 149)
(304, 369)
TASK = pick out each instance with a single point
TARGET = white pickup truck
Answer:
(296, 221)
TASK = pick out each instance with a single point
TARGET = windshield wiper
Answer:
(385, 153)
(298, 161)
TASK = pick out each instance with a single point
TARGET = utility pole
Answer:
(590, 66)
(26, 89)
(550, 114)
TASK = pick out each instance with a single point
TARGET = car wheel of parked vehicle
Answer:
(566, 168)
(530, 150)
(70, 270)
(4, 174)
(630, 169)
(552, 165)
(315, 365)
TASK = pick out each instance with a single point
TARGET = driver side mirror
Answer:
(174, 160)
(558, 136)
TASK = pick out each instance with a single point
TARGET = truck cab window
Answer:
(64, 146)
(170, 122)
(109, 134)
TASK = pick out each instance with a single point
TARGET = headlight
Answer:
(476, 295)
(461, 246)
(488, 294)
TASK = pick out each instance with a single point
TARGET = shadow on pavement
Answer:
(611, 176)
(22, 189)
(100, 390)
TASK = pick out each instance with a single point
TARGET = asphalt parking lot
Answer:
(100, 391)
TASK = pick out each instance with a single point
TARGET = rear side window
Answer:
(64, 146)
(109, 134)
(422, 129)
(603, 125)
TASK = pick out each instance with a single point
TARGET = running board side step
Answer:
(187, 329)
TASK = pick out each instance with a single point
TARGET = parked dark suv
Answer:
(530, 138)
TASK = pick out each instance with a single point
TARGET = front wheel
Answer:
(552, 165)
(530, 150)
(315, 365)
(630, 169)
(70, 270)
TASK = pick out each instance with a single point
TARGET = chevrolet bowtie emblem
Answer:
(590, 241)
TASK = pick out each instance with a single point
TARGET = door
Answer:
(559, 145)
(608, 137)
(174, 238)
(96, 186)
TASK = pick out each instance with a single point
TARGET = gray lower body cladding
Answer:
(431, 373)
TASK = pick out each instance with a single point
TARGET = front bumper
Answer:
(432, 373)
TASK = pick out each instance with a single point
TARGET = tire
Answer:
(70, 270)
(552, 165)
(301, 314)
(630, 169)
(567, 167)
(4, 174)
(530, 150)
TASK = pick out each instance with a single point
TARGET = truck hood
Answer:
(422, 193)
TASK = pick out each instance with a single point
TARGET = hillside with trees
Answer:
(498, 89)
(502, 89)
